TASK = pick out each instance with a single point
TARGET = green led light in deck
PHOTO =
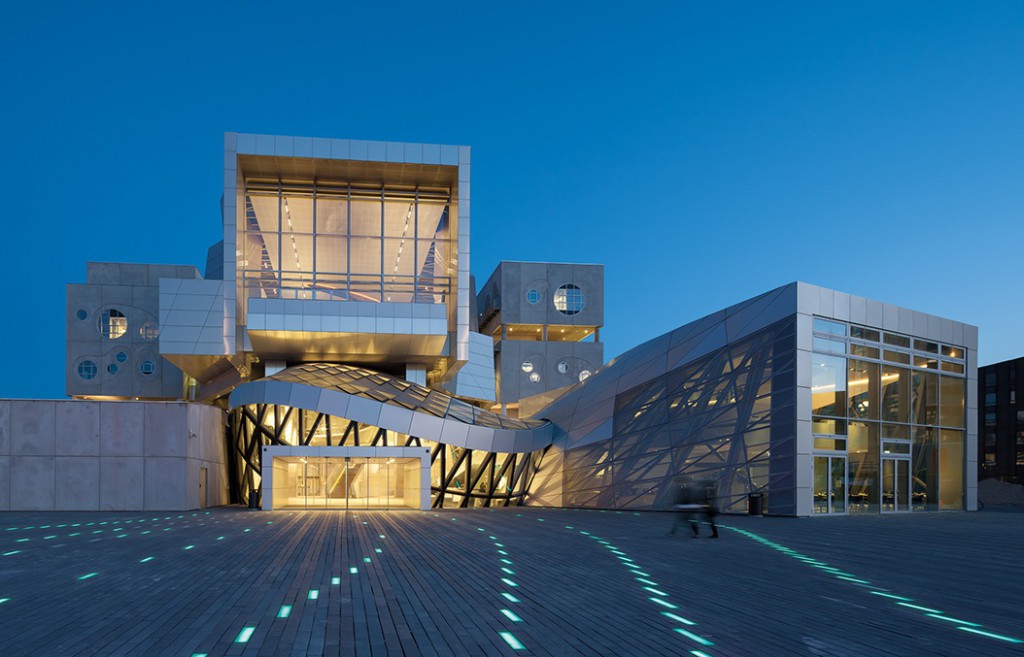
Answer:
(220, 538)
(646, 581)
(655, 591)
(23, 540)
(694, 637)
(511, 641)
(47, 538)
(480, 529)
(991, 635)
(499, 551)
(75, 534)
(853, 579)
(510, 597)
(380, 535)
(366, 559)
(199, 654)
(189, 547)
(585, 533)
(511, 616)
(245, 634)
(699, 653)
(314, 594)
(248, 530)
(639, 572)
(353, 570)
(285, 611)
(499, 545)
(678, 619)
(663, 603)
(953, 620)
(509, 582)
(890, 595)
(3, 600)
(146, 560)
(87, 576)
(335, 581)
(919, 608)
(506, 561)
(378, 551)
(7, 554)
(508, 571)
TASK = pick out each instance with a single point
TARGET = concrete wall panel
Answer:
(32, 482)
(121, 483)
(78, 429)
(32, 428)
(77, 483)
(122, 429)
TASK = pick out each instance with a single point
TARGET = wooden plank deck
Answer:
(433, 584)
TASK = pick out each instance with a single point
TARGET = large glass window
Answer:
(828, 385)
(334, 241)
(925, 402)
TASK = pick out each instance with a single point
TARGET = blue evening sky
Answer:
(704, 152)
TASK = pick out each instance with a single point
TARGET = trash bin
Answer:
(755, 504)
(254, 498)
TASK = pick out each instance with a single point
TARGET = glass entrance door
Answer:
(829, 484)
(895, 485)
(346, 483)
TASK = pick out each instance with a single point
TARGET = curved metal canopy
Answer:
(394, 404)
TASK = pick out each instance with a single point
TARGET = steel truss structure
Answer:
(460, 477)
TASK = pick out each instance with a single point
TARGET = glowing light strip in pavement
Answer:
(512, 641)
(245, 634)
(659, 598)
(935, 614)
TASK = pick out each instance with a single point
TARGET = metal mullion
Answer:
(416, 245)
(313, 265)
(382, 243)
(312, 430)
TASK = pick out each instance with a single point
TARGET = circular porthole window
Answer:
(121, 357)
(584, 375)
(533, 296)
(112, 368)
(527, 366)
(569, 299)
(535, 377)
(81, 314)
(87, 370)
(149, 330)
(147, 367)
(112, 323)
(563, 367)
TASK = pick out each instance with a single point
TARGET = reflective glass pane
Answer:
(925, 479)
(863, 350)
(951, 401)
(826, 326)
(838, 481)
(951, 470)
(821, 484)
(828, 385)
(895, 400)
(864, 333)
(864, 386)
(863, 463)
(925, 402)
(896, 357)
(897, 340)
(953, 352)
(834, 346)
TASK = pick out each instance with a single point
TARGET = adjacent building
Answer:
(1001, 422)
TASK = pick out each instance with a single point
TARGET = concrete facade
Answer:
(75, 455)
(114, 332)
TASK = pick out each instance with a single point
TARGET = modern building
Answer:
(1001, 422)
(823, 402)
(336, 355)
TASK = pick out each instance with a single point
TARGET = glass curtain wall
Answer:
(336, 241)
(892, 408)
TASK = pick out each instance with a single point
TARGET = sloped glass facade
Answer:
(716, 419)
